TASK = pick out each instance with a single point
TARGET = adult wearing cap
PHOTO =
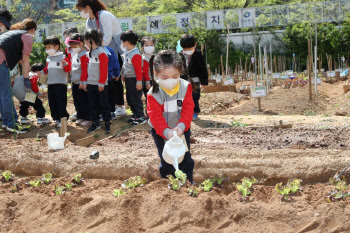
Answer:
(15, 47)
(99, 18)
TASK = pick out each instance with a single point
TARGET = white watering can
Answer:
(174, 151)
(55, 142)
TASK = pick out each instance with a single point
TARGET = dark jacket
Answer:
(197, 68)
(11, 43)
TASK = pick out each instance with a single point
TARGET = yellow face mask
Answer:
(173, 91)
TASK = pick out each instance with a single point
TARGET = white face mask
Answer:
(83, 14)
(51, 52)
(189, 53)
(123, 47)
(148, 49)
(87, 47)
(76, 50)
(2, 28)
(169, 83)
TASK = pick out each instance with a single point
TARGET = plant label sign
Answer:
(30, 97)
(276, 75)
(218, 78)
(256, 92)
(330, 74)
(289, 73)
(228, 80)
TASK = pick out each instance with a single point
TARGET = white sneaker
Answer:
(57, 123)
(86, 123)
(73, 117)
(43, 121)
(25, 120)
(79, 121)
(120, 111)
(4, 126)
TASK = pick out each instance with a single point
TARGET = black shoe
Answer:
(94, 127)
(107, 127)
(139, 121)
(131, 120)
(17, 128)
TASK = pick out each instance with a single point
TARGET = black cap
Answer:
(5, 21)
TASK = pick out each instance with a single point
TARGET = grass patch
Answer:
(310, 113)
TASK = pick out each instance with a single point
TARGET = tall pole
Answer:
(255, 58)
(315, 70)
(310, 69)
(227, 45)
(261, 66)
(271, 64)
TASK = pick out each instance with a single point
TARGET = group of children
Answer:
(92, 69)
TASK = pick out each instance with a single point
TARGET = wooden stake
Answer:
(63, 129)
(310, 68)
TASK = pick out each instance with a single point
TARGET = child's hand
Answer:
(148, 86)
(64, 62)
(81, 86)
(179, 131)
(170, 134)
(139, 87)
(116, 79)
(100, 89)
(85, 87)
(123, 78)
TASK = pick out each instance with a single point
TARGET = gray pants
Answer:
(133, 97)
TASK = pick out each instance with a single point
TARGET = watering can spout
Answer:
(174, 151)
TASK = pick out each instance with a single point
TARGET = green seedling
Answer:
(15, 188)
(174, 183)
(181, 175)
(340, 190)
(292, 187)
(244, 192)
(207, 185)
(47, 178)
(77, 178)
(238, 123)
(134, 182)
(37, 138)
(69, 186)
(58, 190)
(249, 182)
(7, 175)
(35, 183)
(217, 180)
(119, 192)
(193, 191)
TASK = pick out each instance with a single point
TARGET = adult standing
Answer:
(99, 18)
(15, 47)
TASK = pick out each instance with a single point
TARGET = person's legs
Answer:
(75, 89)
(164, 168)
(119, 92)
(111, 95)
(23, 109)
(8, 110)
(93, 103)
(103, 102)
(83, 101)
(39, 108)
(130, 86)
(61, 101)
(196, 94)
(138, 104)
(187, 165)
(51, 89)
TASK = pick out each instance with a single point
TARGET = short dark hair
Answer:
(52, 40)
(130, 36)
(77, 37)
(69, 31)
(94, 35)
(37, 67)
(187, 41)
(5, 13)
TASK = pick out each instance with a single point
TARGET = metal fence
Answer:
(277, 15)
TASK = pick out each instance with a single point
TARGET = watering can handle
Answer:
(175, 133)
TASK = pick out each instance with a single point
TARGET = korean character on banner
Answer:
(155, 24)
(215, 19)
(184, 22)
(125, 26)
(42, 32)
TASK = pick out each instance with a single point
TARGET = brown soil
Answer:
(315, 149)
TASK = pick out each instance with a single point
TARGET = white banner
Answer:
(154, 24)
(41, 32)
(246, 17)
(215, 20)
(126, 24)
(184, 21)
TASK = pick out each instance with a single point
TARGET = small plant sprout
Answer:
(292, 187)
(47, 178)
(193, 191)
(35, 183)
(15, 188)
(119, 192)
(340, 190)
(58, 190)
(217, 180)
(181, 175)
(134, 182)
(69, 186)
(37, 138)
(174, 183)
(77, 178)
(245, 188)
(207, 185)
(7, 176)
